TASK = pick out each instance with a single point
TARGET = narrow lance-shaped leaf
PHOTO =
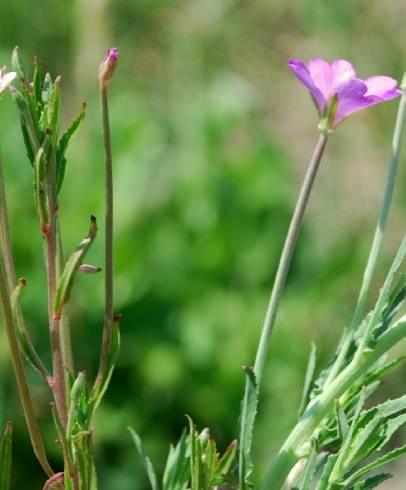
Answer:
(18, 64)
(177, 469)
(6, 457)
(383, 460)
(339, 463)
(309, 379)
(63, 145)
(145, 459)
(40, 170)
(226, 461)
(71, 268)
(249, 412)
(100, 387)
(37, 82)
(310, 470)
(342, 422)
(372, 482)
(26, 345)
(195, 457)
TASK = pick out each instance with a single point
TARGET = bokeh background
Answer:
(211, 137)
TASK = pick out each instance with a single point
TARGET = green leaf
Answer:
(226, 461)
(68, 276)
(195, 457)
(326, 473)
(18, 65)
(387, 458)
(310, 471)
(340, 462)
(372, 482)
(63, 145)
(6, 457)
(145, 459)
(379, 372)
(342, 422)
(309, 379)
(101, 386)
(249, 411)
(40, 170)
(24, 341)
(37, 83)
(177, 470)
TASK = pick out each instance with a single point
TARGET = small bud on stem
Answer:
(108, 66)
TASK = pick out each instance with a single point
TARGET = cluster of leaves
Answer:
(194, 463)
(344, 442)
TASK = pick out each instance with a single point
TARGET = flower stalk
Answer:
(286, 256)
(106, 72)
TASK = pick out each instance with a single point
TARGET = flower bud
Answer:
(108, 65)
(89, 269)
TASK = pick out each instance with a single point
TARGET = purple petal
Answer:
(320, 72)
(355, 95)
(299, 69)
(351, 98)
(341, 72)
(382, 87)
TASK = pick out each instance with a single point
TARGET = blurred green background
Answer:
(211, 137)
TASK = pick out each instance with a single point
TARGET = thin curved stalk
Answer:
(18, 366)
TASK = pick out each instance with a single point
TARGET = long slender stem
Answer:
(286, 257)
(109, 296)
(377, 240)
(24, 392)
(10, 269)
(58, 382)
(279, 283)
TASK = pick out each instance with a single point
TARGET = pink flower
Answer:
(338, 79)
(6, 79)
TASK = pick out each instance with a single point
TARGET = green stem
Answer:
(377, 240)
(66, 340)
(289, 454)
(286, 257)
(108, 266)
(24, 392)
(279, 283)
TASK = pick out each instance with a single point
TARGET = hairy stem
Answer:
(108, 265)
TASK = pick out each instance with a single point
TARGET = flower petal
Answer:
(351, 98)
(341, 72)
(6, 79)
(320, 71)
(299, 69)
(381, 86)
(357, 95)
